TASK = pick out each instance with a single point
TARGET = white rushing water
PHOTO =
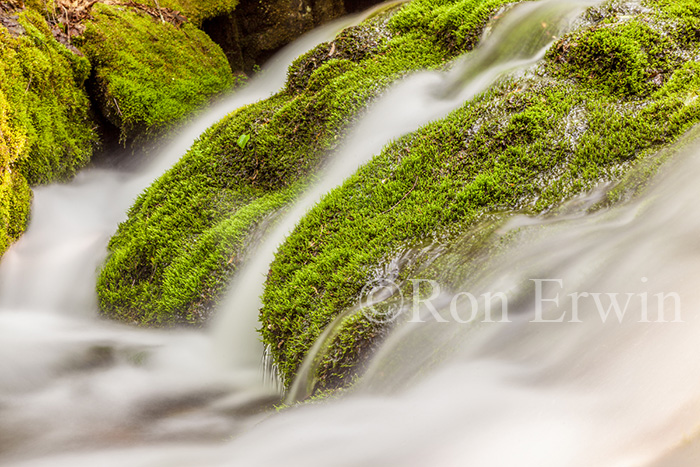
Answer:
(77, 391)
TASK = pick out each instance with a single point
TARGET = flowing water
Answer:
(590, 390)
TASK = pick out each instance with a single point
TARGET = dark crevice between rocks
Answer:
(110, 153)
(255, 31)
(224, 30)
(353, 6)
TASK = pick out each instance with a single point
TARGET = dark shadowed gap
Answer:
(225, 32)
(352, 6)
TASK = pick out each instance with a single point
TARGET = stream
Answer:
(591, 364)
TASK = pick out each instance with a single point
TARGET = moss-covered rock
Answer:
(46, 131)
(149, 74)
(221, 188)
(586, 115)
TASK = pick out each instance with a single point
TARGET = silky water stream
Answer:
(594, 388)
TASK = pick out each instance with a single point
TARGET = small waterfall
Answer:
(519, 393)
(544, 388)
(70, 380)
(518, 40)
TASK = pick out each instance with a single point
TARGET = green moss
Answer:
(45, 7)
(46, 132)
(628, 58)
(15, 199)
(684, 15)
(43, 86)
(15, 195)
(148, 277)
(525, 146)
(453, 24)
(195, 11)
(150, 74)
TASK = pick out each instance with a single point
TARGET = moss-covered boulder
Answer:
(606, 96)
(148, 73)
(46, 131)
(170, 261)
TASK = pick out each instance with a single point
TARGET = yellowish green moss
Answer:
(15, 195)
(197, 10)
(150, 74)
(606, 96)
(46, 132)
(43, 85)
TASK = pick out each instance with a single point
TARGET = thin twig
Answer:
(159, 11)
(404, 196)
(118, 109)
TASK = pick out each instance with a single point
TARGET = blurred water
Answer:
(615, 393)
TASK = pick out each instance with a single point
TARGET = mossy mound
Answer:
(523, 146)
(171, 259)
(46, 131)
(149, 74)
(628, 58)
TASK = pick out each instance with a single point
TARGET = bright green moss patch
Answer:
(170, 260)
(15, 195)
(453, 24)
(524, 146)
(46, 132)
(43, 86)
(15, 199)
(195, 11)
(629, 58)
(605, 97)
(150, 74)
(684, 15)
(45, 7)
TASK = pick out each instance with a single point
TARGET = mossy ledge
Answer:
(606, 96)
(185, 236)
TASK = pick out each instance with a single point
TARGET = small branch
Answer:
(404, 196)
(118, 109)
(159, 11)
